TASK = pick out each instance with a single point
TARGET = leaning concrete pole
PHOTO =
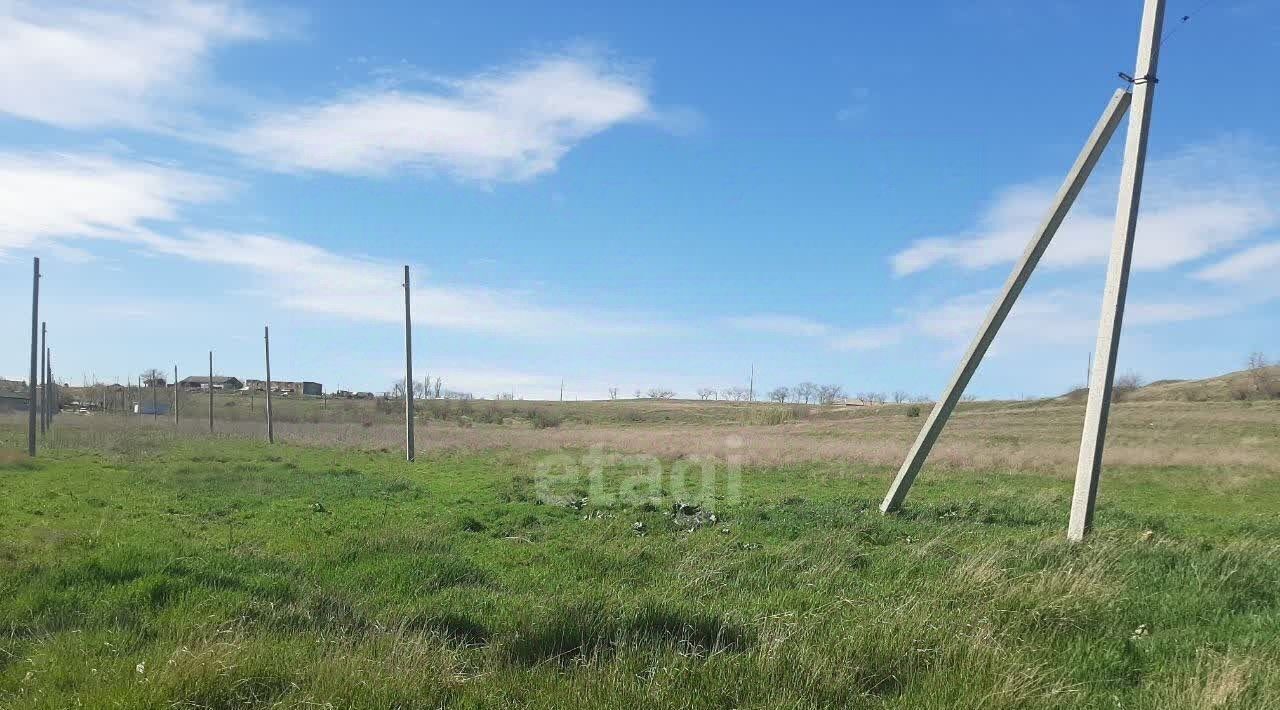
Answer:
(1089, 466)
(32, 402)
(1067, 194)
(408, 372)
(266, 338)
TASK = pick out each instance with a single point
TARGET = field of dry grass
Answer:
(1021, 436)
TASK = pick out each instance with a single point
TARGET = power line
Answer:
(1183, 22)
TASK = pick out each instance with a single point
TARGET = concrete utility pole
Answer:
(210, 391)
(751, 389)
(1067, 194)
(175, 395)
(266, 338)
(51, 396)
(155, 412)
(408, 372)
(44, 388)
(1089, 466)
(32, 402)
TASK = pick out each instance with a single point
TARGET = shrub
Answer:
(913, 411)
(544, 420)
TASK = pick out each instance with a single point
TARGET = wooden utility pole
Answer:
(210, 391)
(155, 412)
(266, 339)
(32, 403)
(44, 388)
(408, 372)
(1017, 280)
(1089, 465)
(175, 395)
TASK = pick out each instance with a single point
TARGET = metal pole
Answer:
(408, 372)
(1067, 194)
(266, 338)
(31, 384)
(44, 388)
(210, 391)
(1093, 437)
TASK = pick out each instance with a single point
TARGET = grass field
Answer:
(140, 567)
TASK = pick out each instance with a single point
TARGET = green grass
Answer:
(204, 574)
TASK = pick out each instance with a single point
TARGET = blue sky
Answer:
(656, 195)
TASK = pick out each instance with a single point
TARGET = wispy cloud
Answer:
(89, 65)
(304, 277)
(949, 324)
(1246, 265)
(770, 324)
(509, 124)
(63, 202)
(53, 198)
(1195, 203)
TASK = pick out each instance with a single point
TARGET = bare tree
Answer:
(807, 392)
(1127, 383)
(154, 378)
(735, 394)
(829, 394)
(397, 389)
(613, 393)
(706, 392)
(660, 393)
(900, 396)
(1260, 374)
(439, 382)
(780, 394)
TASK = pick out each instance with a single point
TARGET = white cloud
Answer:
(790, 326)
(84, 65)
(872, 338)
(1251, 263)
(57, 202)
(304, 277)
(1195, 203)
(505, 125)
(1055, 317)
(50, 198)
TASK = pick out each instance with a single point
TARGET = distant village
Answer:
(14, 395)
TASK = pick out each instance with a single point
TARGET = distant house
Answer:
(220, 382)
(13, 386)
(309, 389)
